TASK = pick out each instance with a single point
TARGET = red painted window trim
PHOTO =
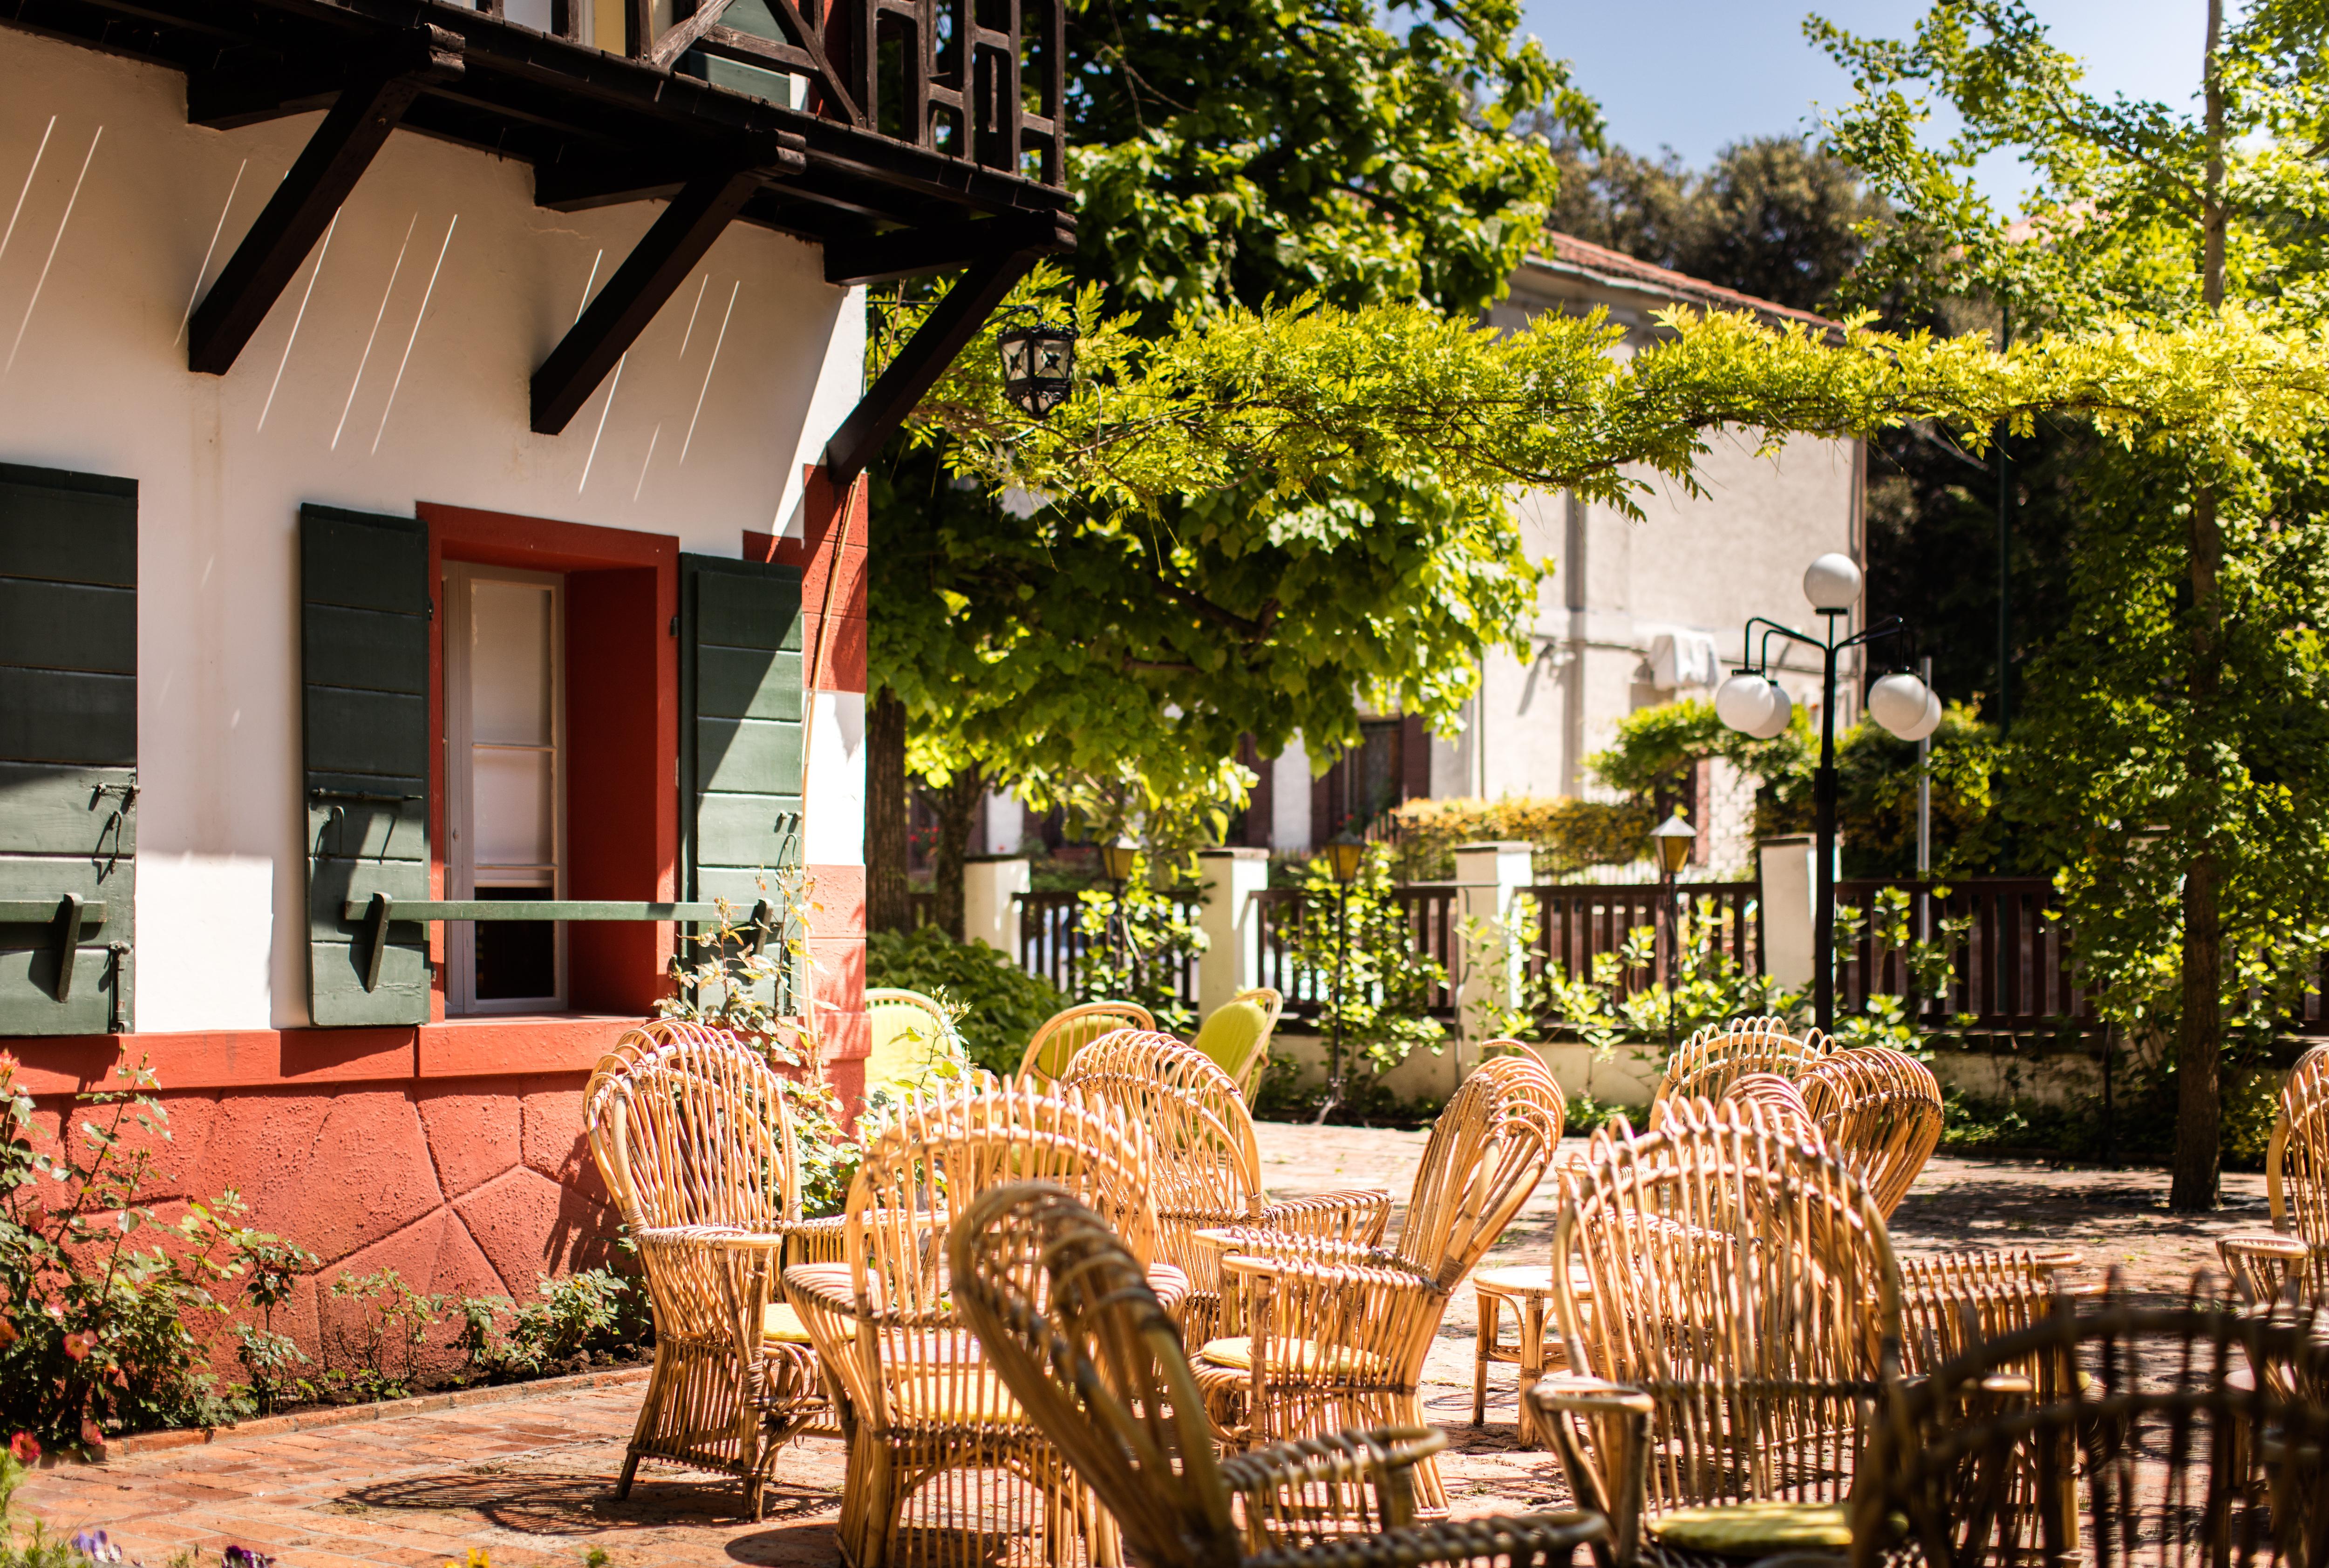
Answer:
(499, 539)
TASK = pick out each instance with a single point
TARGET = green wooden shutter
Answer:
(68, 745)
(739, 759)
(364, 646)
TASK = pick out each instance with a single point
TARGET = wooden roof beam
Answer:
(656, 267)
(922, 360)
(356, 127)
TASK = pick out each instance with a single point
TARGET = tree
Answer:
(2142, 212)
(1226, 153)
(1775, 216)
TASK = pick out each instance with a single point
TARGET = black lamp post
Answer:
(1344, 856)
(1039, 364)
(1673, 840)
(1116, 864)
(1750, 702)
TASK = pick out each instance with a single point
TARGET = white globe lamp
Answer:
(1898, 703)
(1832, 584)
(1776, 720)
(1743, 703)
(1931, 720)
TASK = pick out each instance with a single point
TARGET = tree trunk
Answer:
(2199, 1051)
(888, 906)
(956, 803)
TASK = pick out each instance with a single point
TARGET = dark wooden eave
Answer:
(599, 128)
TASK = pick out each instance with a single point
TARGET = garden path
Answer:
(530, 1480)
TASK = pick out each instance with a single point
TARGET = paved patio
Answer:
(530, 1480)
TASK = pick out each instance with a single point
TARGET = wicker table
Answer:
(1526, 1293)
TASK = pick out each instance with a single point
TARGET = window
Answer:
(505, 784)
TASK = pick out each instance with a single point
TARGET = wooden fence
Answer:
(1051, 939)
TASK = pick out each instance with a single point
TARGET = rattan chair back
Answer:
(1064, 1034)
(1709, 1062)
(1741, 1281)
(2189, 1459)
(690, 1127)
(1881, 1109)
(2296, 1163)
(910, 1031)
(1781, 1102)
(1488, 1149)
(1072, 1329)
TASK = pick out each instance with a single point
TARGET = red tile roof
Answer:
(1566, 253)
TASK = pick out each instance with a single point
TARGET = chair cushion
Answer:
(976, 1396)
(1753, 1529)
(779, 1322)
(1228, 1037)
(1306, 1356)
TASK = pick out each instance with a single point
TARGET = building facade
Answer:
(430, 558)
(1630, 613)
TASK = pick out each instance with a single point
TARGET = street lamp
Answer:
(1750, 702)
(1673, 840)
(1039, 364)
(1116, 864)
(1344, 857)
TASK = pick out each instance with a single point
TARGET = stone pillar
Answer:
(991, 886)
(1787, 895)
(1231, 962)
(1489, 877)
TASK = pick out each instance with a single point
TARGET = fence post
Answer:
(1231, 922)
(991, 886)
(1787, 909)
(1488, 877)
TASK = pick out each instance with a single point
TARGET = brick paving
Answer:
(531, 1480)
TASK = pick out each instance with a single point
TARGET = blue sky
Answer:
(1693, 74)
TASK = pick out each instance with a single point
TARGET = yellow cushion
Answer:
(1754, 1529)
(1298, 1355)
(974, 1396)
(1228, 1037)
(781, 1323)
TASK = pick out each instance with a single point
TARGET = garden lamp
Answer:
(1039, 366)
(1673, 840)
(1753, 704)
(1115, 862)
(1346, 854)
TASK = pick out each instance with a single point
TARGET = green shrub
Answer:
(594, 1315)
(95, 1334)
(997, 1005)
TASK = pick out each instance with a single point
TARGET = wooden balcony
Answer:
(907, 138)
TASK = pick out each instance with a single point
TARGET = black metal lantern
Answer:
(1039, 366)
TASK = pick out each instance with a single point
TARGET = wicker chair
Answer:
(1236, 1036)
(1073, 1332)
(1781, 1101)
(910, 1033)
(1706, 1065)
(2293, 1259)
(1881, 1109)
(1741, 1284)
(1063, 1034)
(2185, 1462)
(1327, 1335)
(943, 1464)
(1208, 1171)
(690, 1132)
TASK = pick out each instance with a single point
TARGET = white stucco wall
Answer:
(98, 383)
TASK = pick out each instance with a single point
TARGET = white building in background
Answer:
(1632, 613)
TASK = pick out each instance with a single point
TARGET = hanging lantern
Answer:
(1039, 366)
